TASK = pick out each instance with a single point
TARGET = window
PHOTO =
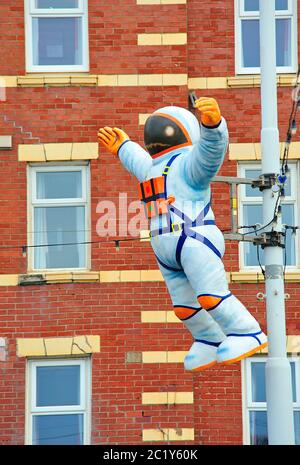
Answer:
(254, 400)
(59, 217)
(58, 402)
(250, 213)
(56, 35)
(247, 54)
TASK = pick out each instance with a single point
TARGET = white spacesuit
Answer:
(175, 186)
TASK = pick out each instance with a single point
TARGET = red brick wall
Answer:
(211, 38)
(114, 313)
(12, 57)
(211, 41)
(113, 33)
(118, 415)
(113, 39)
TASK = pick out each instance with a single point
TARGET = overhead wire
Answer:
(100, 241)
(258, 258)
(291, 124)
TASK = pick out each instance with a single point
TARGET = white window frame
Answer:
(80, 12)
(85, 395)
(240, 14)
(248, 405)
(242, 200)
(32, 170)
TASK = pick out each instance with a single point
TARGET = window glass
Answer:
(283, 42)
(59, 225)
(251, 5)
(258, 381)
(252, 215)
(297, 427)
(57, 385)
(281, 4)
(259, 427)
(57, 429)
(57, 41)
(252, 174)
(44, 4)
(288, 219)
(250, 43)
(59, 185)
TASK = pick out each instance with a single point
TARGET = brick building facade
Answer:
(103, 326)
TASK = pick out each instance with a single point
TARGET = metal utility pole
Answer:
(278, 371)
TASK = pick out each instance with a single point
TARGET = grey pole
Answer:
(278, 370)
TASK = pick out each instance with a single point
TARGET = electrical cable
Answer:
(291, 125)
(285, 255)
(116, 241)
(274, 219)
(258, 258)
(294, 229)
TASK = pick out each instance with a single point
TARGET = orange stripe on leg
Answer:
(182, 312)
(209, 301)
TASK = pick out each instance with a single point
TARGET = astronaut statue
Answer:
(174, 174)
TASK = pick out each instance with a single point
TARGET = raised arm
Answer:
(133, 157)
(207, 156)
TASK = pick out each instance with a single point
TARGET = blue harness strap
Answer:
(248, 334)
(165, 174)
(214, 344)
(166, 266)
(205, 241)
(181, 241)
(186, 226)
(199, 221)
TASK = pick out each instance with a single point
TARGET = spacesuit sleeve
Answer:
(206, 157)
(135, 159)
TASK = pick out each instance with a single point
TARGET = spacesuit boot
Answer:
(207, 338)
(244, 335)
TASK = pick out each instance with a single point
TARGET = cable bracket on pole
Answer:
(270, 239)
(265, 181)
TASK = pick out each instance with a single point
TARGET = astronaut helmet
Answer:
(170, 128)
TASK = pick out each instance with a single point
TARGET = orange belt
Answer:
(152, 193)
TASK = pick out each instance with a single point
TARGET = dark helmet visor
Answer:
(162, 133)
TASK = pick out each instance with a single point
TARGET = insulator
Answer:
(282, 178)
